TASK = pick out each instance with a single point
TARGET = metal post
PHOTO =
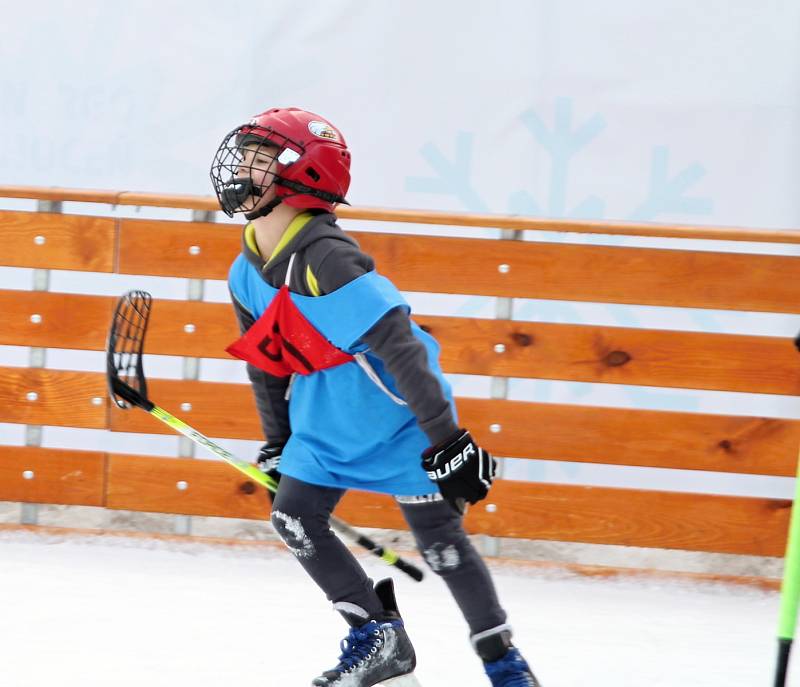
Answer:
(29, 512)
(191, 368)
(503, 310)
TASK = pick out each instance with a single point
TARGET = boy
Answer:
(350, 395)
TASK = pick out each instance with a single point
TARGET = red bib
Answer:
(282, 341)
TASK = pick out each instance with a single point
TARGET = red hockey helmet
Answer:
(313, 163)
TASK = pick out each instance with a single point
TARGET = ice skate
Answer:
(377, 653)
(502, 661)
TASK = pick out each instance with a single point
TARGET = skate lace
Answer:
(361, 643)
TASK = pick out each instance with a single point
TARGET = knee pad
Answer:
(439, 534)
(300, 513)
(291, 530)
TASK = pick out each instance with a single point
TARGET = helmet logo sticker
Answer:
(323, 130)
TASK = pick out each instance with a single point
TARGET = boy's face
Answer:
(259, 163)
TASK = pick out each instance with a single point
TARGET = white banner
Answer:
(670, 111)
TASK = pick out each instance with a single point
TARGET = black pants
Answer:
(301, 515)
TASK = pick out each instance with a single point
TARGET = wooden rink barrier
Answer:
(501, 348)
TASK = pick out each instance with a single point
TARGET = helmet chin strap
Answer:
(264, 211)
(298, 189)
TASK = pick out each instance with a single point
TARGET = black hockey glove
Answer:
(462, 470)
(269, 459)
(797, 342)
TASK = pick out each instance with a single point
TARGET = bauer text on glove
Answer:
(461, 468)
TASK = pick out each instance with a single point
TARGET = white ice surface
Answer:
(124, 613)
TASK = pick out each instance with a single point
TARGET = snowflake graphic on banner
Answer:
(668, 192)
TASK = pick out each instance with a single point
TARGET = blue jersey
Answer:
(349, 427)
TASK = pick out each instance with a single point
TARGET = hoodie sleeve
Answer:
(406, 359)
(392, 340)
(269, 390)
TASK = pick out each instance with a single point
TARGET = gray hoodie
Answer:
(334, 259)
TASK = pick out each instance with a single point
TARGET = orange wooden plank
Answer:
(619, 436)
(515, 222)
(179, 249)
(722, 524)
(171, 200)
(161, 200)
(617, 355)
(535, 270)
(614, 355)
(40, 475)
(723, 443)
(54, 193)
(627, 517)
(646, 276)
(54, 320)
(192, 202)
(144, 483)
(217, 409)
(68, 399)
(213, 328)
(55, 241)
(82, 322)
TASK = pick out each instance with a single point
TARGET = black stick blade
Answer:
(784, 648)
(127, 385)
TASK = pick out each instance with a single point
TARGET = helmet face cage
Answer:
(241, 187)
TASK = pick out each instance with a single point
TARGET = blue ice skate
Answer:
(378, 652)
(501, 659)
(511, 671)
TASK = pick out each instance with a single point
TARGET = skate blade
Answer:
(409, 680)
